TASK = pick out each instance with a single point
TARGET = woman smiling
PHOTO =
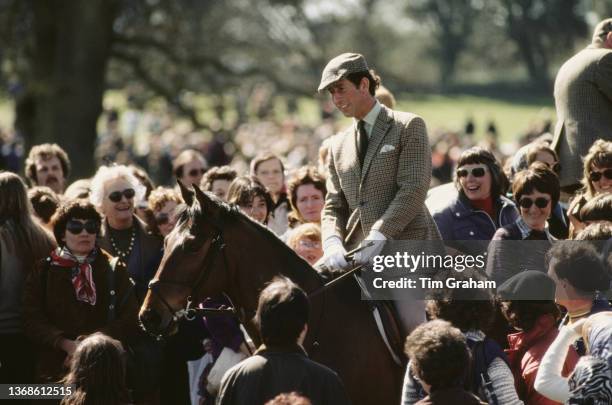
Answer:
(68, 295)
(469, 220)
(536, 190)
(113, 192)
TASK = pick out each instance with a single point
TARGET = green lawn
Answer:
(449, 112)
(512, 118)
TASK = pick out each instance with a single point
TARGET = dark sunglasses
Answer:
(476, 172)
(196, 172)
(162, 219)
(539, 202)
(596, 176)
(115, 196)
(76, 227)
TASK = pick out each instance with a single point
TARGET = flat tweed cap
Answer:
(341, 66)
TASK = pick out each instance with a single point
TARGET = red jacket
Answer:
(525, 354)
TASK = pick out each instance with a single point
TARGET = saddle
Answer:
(385, 317)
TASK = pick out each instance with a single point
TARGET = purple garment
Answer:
(224, 330)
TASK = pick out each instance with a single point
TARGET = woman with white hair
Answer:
(113, 192)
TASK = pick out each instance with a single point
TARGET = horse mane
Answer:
(231, 214)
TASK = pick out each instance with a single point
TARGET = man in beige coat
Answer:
(379, 172)
(583, 99)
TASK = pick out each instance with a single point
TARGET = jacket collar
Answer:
(381, 127)
(523, 340)
(462, 205)
(295, 349)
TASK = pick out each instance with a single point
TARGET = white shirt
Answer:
(369, 119)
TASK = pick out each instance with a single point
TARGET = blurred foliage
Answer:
(233, 51)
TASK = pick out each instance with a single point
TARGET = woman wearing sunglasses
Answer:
(597, 180)
(305, 240)
(68, 295)
(113, 192)
(471, 217)
(163, 203)
(536, 190)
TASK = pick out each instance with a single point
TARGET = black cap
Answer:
(527, 285)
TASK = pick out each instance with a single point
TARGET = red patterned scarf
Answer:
(82, 276)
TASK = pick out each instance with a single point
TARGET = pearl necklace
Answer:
(123, 255)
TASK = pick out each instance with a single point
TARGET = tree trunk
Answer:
(72, 45)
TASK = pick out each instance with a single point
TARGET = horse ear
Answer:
(185, 193)
(205, 201)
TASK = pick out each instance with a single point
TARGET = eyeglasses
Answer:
(115, 196)
(539, 202)
(309, 244)
(195, 172)
(476, 172)
(162, 219)
(76, 227)
(596, 176)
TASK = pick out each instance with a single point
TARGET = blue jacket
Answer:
(470, 230)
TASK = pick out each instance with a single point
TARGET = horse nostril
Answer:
(150, 319)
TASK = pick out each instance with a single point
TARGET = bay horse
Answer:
(215, 249)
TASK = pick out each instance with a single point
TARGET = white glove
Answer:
(334, 253)
(367, 254)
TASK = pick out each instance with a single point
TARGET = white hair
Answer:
(106, 174)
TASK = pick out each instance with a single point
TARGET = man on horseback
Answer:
(379, 173)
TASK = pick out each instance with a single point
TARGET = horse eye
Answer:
(192, 244)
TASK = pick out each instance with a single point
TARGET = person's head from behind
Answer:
(479, 175)
(597, 210)
(270, 171)
(307, 191)
(578, 273)
(217, 180)
(14, 204)
(598, 231)
(305, 240)
(590, 382)
(48, 165)
(542, 152)
(602, 35)
(385, 97)
(78, 189)
(282, 313)
(98, 372)
(439, 355)
(44, 201)
(189, 167)
(292, 398)
(465, 308)
(527, 296)
(251, 197)
(536, 191)
(597, 174)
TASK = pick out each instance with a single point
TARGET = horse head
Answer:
(193, 252)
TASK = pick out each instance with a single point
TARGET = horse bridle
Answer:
(217, 245)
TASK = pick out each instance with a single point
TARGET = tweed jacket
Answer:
(583, 99)
(388, 193)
